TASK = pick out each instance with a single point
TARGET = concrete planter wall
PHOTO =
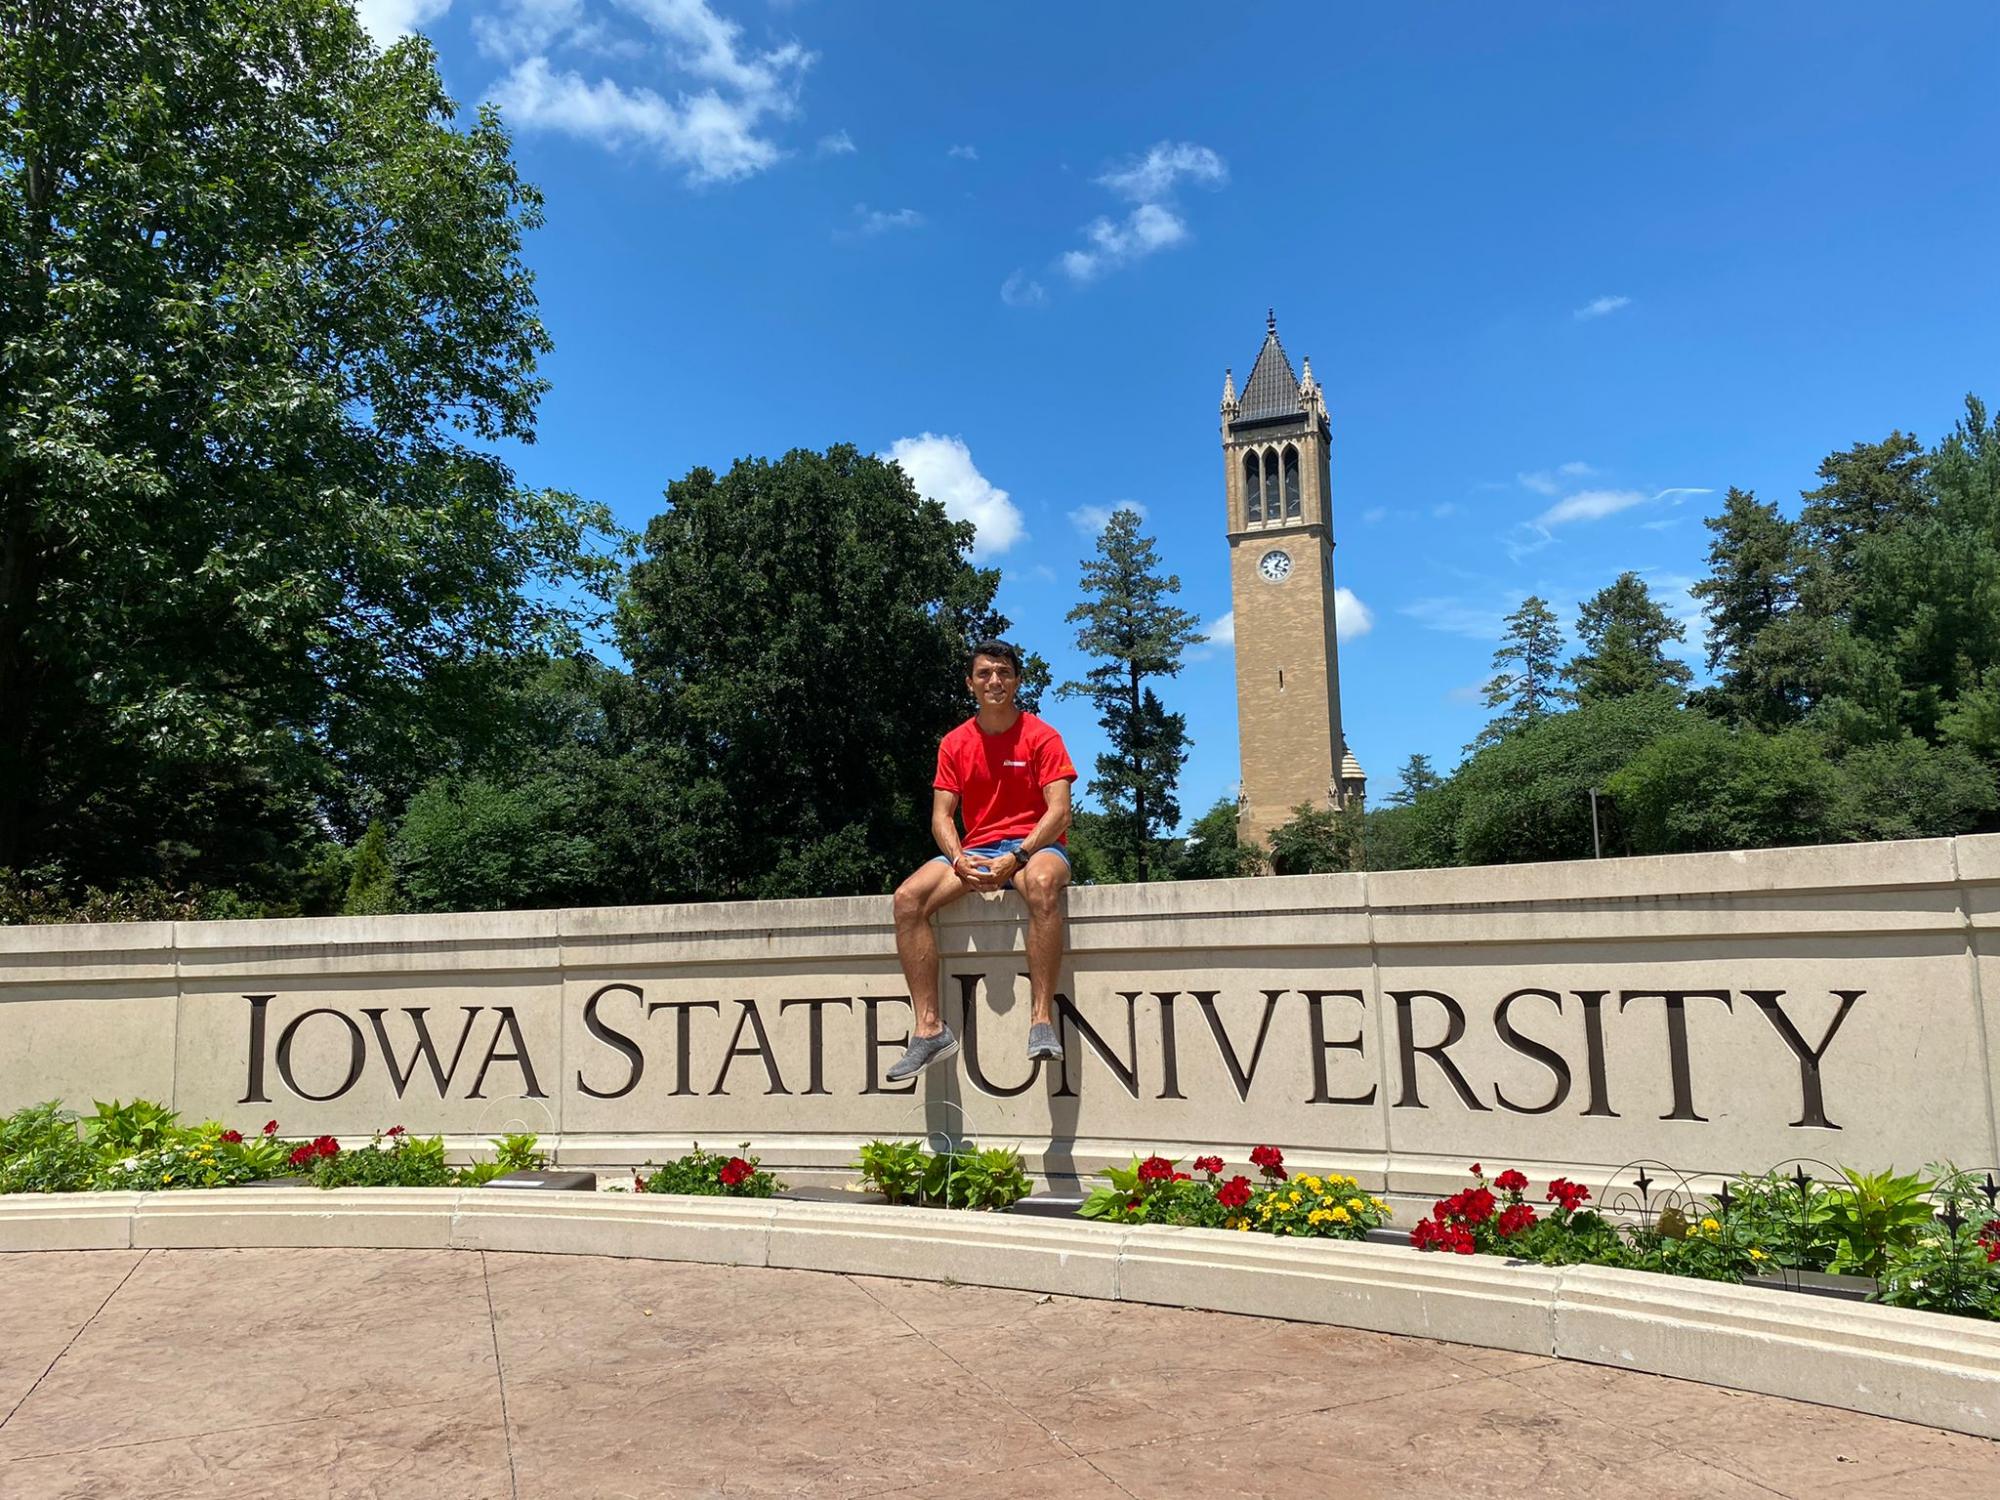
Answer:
(1916, 1366)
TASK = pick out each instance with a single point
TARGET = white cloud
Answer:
(718, 133)
(869, 222)
(1351, 618)
(1220, 638)
(1092, 519)
(1153, 223)
(1152, 176)
(942, 469)
(1021, 290)
(1590, 505)
(388, 20)
(1600, 307)
(964, 153)
(1373, 514)
(521, 28)
(840, 143)
(1457, 617)
(1444, 510)
(1550, 481)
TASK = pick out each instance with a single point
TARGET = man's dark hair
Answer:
(998, 650)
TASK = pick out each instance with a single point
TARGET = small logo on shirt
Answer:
(1013, 762)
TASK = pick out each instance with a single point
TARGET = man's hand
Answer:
(985, 875)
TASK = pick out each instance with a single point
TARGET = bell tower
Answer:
(1275, 442)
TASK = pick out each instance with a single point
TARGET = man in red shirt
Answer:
(1008, 774)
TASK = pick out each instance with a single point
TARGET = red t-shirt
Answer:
(999, 777)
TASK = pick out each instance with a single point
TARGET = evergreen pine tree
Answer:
(1753, 582)
(1525, 687)
(371, 879)
(1132, 630)
(1416, 778)
(1624, 636)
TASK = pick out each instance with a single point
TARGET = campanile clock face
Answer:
(1275, 566)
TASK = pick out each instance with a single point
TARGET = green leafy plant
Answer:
(709, 1174)
(41, 1151)
(392, 1158)
(1950, 1264)
(511, 1153)
(895, 1169)
(1874, 1214)
(992, 1178)
(120, 1130)
(1790, 1220)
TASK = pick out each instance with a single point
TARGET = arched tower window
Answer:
(1272, 503)
(1253, 499)
(1291, 482)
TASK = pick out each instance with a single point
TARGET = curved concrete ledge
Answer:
(1918, 1367)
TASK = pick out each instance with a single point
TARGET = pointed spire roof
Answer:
(1272, 389)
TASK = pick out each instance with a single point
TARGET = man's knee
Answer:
(1041, 888)
(910, 897)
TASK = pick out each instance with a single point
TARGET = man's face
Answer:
(993, 682)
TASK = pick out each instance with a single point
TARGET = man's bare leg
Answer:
(1041, 886)
(926, 893)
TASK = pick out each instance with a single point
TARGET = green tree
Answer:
(1708, 786)
(371, 880)
(1623, 636)
(1416, 778)
(262, 295)
(1317, 841)
(1213, 849)
(1752, 584)
(1870, 489)
(799, 629)
(1528, 797)
(1134, 634)
(1525, 686)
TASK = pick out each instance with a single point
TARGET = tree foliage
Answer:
(798, 632)
(1128, 625)
(1623, 637)
(1526, 685)
(264, 314)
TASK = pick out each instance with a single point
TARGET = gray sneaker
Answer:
(923, 1051)
(1043, 1042)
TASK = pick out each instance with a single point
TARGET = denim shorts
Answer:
(1005, 846)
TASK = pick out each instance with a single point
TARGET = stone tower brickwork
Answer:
(1275, 439)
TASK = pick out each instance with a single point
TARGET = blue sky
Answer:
(1565, 273)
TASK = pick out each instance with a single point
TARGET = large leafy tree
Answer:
(262, 308)
(1134, 632)
(801, 629)
(1623, 636)
(1526, 685)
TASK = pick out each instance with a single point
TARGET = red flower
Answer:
(1155, 1169)
(1182, 1177)
(393, 1131)
(1569, 1195)
(1516, 1218)
(1511, 1181)
(270, 1127)
(233, 1137)
(1432, 1234)
(1131, 1204)
(1477, 1170)
(1271, 1160)
(1234, 1193)
(1209, 1164)
(301, 1156)
(736, 1170)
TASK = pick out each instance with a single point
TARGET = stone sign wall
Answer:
(1711, 1012)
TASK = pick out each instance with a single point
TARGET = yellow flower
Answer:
(1380, 1206)
(1709, 1226)
(1318, 1216)
(1756, 1254)
(1356, 1204)
(1345, 1182)
(1311, 1184)
(1295, 1198)
(1338, 1215)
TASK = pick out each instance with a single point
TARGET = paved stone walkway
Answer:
(440, 1374)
